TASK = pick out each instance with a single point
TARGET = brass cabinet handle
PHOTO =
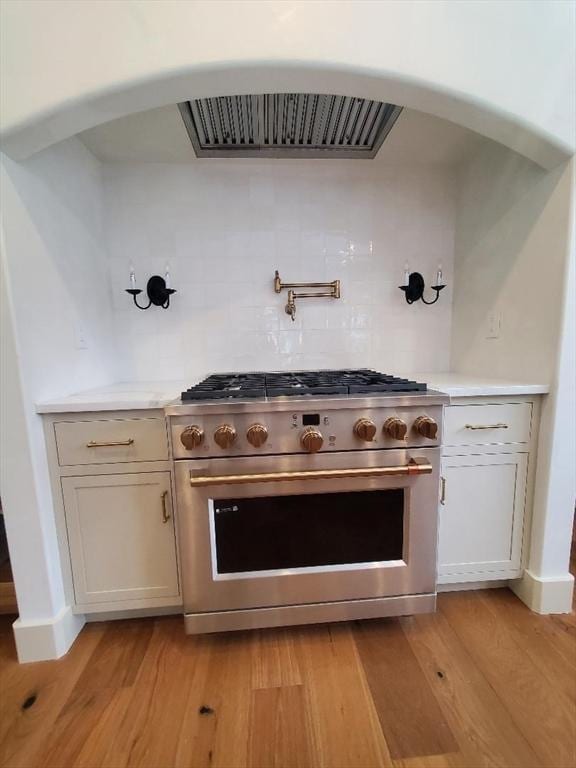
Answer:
(97, 444)
(486, 426)
(443, 491)
(165, 513)
(415, 466)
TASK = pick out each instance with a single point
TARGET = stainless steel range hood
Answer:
(288, 125)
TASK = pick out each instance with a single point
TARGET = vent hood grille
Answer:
(288, 125)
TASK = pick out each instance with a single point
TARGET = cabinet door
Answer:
(121, 537)
(481, 517)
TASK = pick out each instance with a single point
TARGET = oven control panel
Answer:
(259, 433)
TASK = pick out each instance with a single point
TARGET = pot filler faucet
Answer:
(290, 308)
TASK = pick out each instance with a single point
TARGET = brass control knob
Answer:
(365, 429)
(225, 436)
(192, 437)
(426, 427)
(395, 428)
(257, 435)
(311, 440)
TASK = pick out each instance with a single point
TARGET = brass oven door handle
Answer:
(417, 466)
(165, 513)
(443, 491)
(486, 426)
(103, 444)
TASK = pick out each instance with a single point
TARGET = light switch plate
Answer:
(494, 325)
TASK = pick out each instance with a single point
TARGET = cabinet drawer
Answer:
(109, 441)
(487, 424)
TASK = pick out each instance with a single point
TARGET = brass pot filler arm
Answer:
(332, 293)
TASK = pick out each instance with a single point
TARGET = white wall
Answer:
(513, 259)
(511, 244)
(55, 282)
(52, 210)
(503, 69)
(225, 226)
(556, 476)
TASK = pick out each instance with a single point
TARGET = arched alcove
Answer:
(70, 67)
(236, 78)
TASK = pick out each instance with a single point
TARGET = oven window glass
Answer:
(273, 533)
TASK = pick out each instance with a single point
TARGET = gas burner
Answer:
(306, 383)
(228, 386)
(329, 382)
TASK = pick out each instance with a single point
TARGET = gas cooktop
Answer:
(226, 386)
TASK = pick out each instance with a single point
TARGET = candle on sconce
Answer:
(406, 274)
(439, 275)
(158, 289)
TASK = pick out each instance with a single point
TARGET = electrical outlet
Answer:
(80, 341)
(494, 325)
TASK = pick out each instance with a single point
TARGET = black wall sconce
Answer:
(414, 286)
(157, 288)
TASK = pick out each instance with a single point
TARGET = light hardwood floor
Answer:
(483, 682)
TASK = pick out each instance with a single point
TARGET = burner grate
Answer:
(305, 383)
(337, 382)
(224, 386)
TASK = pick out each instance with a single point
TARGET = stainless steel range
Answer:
(306, 497)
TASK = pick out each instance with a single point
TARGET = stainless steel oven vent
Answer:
(284, 125)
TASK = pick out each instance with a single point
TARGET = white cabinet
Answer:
(487, 471)
(111, 475)
(122, 539)
(482, 516)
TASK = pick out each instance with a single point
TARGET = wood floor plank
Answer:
(543, 715)
(73, 727)
(411, 719)
(566, 623)
(215, 728)
(280, 735)
(7, 646)
(549, 649)
(274, 659)
(142, 694)
(114, 665)
(46, 687)
(141, 724)
(108, 743)
(8, 604)
(345, 727)
(451, 760)
(483, 727)
(119, 655)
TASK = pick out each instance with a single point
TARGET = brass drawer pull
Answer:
(103, 444)
(165, 513)
(443, 491)
(486, 426)
(416, 466)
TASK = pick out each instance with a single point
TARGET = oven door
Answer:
(290, 530)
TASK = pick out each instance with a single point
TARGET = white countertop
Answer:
(123, 396)
(470, 385)
(127, 396)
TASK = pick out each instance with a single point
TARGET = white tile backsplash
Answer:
(225, 226)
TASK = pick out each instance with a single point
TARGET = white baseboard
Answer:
(140, 613)
(545, 594)
(47, 639)
(465, 586)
